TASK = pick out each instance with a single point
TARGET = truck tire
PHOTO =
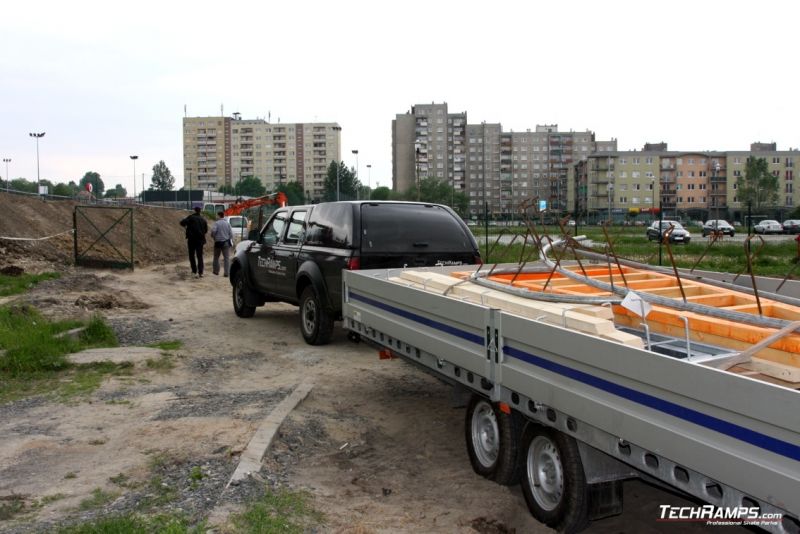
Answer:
(553, 481)
(492, 441)
(240, 306)
(316, 323)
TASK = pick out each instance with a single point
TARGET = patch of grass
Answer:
(82, 380)
(122, 480)
(14, 285)
(196, 475)
(98, 499)
(35, 359)
(135, 524)
(162, 364)
(159, 493)
(281, 511)
(47, 499)
(167, 345)
(11, 506)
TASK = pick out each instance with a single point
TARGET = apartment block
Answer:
(496, 170)
(220, 151)
(695, 185)
(428, 141)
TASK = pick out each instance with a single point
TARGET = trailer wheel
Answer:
(241, 308)
(553, 481)
(316, 324)
(491, 437)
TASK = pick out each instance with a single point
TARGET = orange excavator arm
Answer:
(273, 199)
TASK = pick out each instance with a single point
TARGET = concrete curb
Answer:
(250, 460)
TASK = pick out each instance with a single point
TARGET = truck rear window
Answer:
(411, 228)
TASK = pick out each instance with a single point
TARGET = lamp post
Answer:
(134, 158)
(652, 198)
(37, 136)
(338, 163)
(369, 181)
(8, 178)
(416, 169)
(714, 186)
(356, 180)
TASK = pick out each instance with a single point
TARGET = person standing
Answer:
(222, 233)
(196, 229)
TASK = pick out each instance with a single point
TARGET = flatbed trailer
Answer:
(571, 415)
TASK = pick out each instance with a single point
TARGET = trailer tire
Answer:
(553, 481)
(240, 305)
(492, 441)
(316, 323)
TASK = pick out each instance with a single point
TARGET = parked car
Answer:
(299, 254)
(723, 227)
(679, 234)
(791, 226)
(768, 226)
(239, 225)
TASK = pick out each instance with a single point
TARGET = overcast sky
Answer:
(105, 80)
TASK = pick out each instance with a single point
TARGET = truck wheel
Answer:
(316, 324)
(553, 481)
(491, 437)
(241, 308)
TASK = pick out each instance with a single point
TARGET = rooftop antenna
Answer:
(184, 111)
(221, 110)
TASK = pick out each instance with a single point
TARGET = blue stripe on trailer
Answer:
(752, 437)
(453, 331)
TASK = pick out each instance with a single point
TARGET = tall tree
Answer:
(162, 179)
(294, 193)
(348, 183)
(93, 178)
(117, 192)
(758, 187)
(381, 193)
(21, 184)
(250, 186)
(66, 190)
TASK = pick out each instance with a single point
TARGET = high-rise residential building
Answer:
(496, 170)
(427, 142)
(221, 151)
(696, 185)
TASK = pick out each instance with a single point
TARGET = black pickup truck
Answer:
(299, 254)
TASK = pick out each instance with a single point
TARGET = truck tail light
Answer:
(354, 263)
(477, 260)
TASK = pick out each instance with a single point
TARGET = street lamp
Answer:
(37, 136)
(714, 187)
(369, 181)
(652, 198)
(356, 180)
(134, 158)
(338, 163)
(8, 178)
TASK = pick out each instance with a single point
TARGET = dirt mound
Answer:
(157, 236)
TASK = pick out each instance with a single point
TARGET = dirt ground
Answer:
(376, 444)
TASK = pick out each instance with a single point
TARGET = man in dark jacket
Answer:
(196, 228)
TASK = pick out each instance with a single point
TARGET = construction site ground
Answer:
(377, 444)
